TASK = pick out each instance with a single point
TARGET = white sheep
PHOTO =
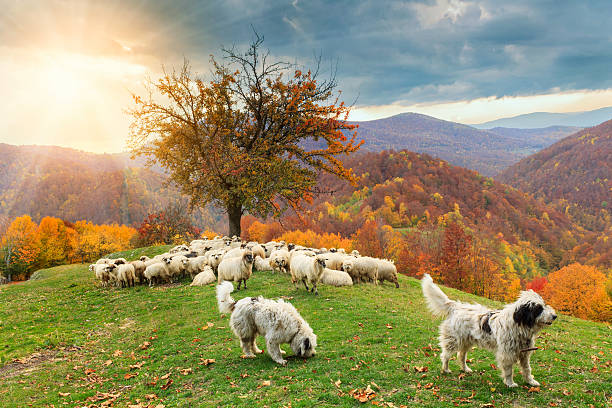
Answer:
(103, 261)
(362, 268)
(179, 248)
(279, 260)
(237, 269)
(257, 249)
(387, 271)
(333, 277)
(176, 265)
(214, 259)
(204, 278)
(157, 272)
(123, 273)
(195, 265)
(261, 264)
(333, 260)
(99, 269)
(307, 269)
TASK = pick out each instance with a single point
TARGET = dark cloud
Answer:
(420, 51)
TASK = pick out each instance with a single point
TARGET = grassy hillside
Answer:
(63, 339)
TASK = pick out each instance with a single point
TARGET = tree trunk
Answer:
(234, 214)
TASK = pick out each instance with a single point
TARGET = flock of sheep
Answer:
(231, 259)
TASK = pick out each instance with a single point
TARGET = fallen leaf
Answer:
(421, 369)
(89, 371)
(63, 394)
(337, 383)
(265, 383)
(388, 326)
(117, 353)
(145, 345)
(363, 395)
(165, 376)
(186, 371)
(130, 375)
(137, 365)
(206, 361)
(167, 384)
(151, 396)
(534, 389)
(107, 363)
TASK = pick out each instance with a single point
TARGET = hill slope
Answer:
(86, 345)
(574, 172)
(544, 119)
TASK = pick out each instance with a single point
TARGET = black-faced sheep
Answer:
(307, 269)
(238, 269)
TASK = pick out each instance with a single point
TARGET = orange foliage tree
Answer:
(579, 290)
(20, 247)
(57, 242)
(239, 141)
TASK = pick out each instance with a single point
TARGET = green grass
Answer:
(378, 336)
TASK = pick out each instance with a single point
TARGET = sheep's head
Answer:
(185, 261)
(291, 246)
(118, 261)
(321, 260)
(167, 260)
(91, 267)
(144, 258)
(347, 266)
(110, 268)
(333, 250)
(248, 257)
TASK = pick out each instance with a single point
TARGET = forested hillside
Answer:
(574, 175)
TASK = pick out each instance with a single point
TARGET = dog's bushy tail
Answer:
(224, 300)
(437, 301)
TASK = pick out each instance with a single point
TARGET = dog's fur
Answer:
(278, 321)
(509, 332)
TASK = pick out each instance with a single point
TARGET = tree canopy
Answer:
(238, 141)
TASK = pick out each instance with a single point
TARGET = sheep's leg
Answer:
(244, 280)
(305, 285)
(314, 289)
(239, 283)
(275, 352)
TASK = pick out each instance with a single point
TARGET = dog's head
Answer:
(531, 311)
(304, 343)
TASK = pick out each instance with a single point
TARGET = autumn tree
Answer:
(579, 290)
(20, 247)
(238, 140)
(56, 242)
(169, 226)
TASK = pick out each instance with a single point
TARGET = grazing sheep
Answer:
(362, 268)
(333, 277)
(261, 264)
(104, 261)
(196, 265)
(236, 269)
(307, 269)
(333, 260)
(279, 260)
(387, 271)
(257, 249)
(139, 268)
(123, 273)
(355, 253)
(157, 272)
(99, 269)
(204, 278)
(176, 266)
(214, 259)
(144, 258)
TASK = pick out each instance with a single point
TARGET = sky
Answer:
(68, 67)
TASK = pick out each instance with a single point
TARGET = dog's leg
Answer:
(275, 352)
(506, 365)
(461, 358)
(254, 347)
(247, 347)
(445, 356)
(526, 369)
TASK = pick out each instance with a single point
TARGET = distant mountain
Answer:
(546, 119)
(75, 185)
(488, 152)
(574, 174)
(538, 138)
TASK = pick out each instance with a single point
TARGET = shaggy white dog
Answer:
(278, 321)
(509, 332)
